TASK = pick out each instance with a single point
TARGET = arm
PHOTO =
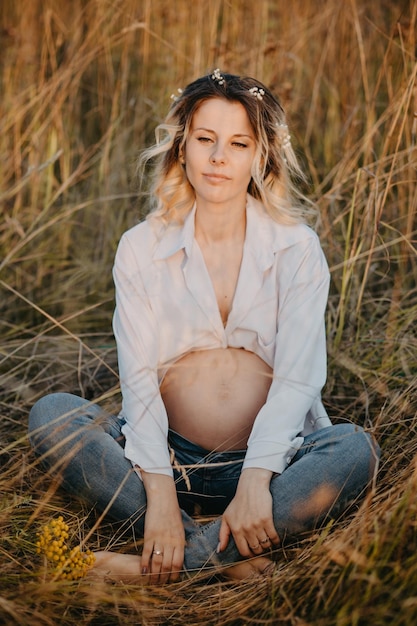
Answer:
(137, 337)
(146, 427)
(300, 364)
(164, 530)
(299, 374)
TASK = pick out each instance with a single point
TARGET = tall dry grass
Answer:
(82, 86)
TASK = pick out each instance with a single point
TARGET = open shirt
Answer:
(166, 307)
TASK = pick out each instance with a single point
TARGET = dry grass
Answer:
(82, 86)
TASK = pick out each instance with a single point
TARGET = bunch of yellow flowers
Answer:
(69, 564)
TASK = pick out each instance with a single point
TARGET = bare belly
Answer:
(213, 396)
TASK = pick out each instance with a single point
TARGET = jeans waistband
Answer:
(180, 443)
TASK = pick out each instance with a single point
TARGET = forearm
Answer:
(159, 487)
(164, 537)
(255, 477)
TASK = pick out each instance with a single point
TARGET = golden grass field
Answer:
(83, 84)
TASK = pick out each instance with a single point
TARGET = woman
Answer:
(219, 324)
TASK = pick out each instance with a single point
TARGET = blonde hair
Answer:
(274, 167)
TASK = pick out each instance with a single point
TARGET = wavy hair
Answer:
(274, 167)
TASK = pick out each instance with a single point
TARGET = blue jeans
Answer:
(80, 443)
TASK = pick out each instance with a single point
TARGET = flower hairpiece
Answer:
(176, 96)
(258, 92)
(217, 76)
(284, 135)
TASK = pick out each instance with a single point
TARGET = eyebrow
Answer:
(209, 130)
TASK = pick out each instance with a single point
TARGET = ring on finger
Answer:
(158, 552)
(266, 540)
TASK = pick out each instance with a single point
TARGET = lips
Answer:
(216, 178)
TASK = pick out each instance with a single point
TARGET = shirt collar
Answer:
(264, 236)
(175, 237)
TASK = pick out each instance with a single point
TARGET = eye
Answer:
(204, 139)
(239, 144)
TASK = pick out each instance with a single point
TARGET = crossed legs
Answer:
(81, 443)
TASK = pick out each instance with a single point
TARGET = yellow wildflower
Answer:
(68, 564)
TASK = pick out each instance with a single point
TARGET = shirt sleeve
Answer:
(137, 338)
(300, 362)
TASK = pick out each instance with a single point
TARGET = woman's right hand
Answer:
(164, 537)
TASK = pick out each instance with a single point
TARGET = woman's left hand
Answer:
(249, 515)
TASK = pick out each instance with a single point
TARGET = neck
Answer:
(220, 226)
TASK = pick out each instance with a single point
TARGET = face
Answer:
(219, 153)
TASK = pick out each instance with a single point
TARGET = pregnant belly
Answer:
(213, 396)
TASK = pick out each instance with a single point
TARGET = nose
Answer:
(218, 155)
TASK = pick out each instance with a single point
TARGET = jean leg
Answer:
(77, 441)
(82, 445)
(330, 471)
(333, 468)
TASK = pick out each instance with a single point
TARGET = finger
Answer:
(156, 561)
(166, 567)
(170, 572)
(265, 543)
(270, 531)
(146, 557)
(224, 535)
(255, 545)
(244, 544)
(173, 576)
(177, 564)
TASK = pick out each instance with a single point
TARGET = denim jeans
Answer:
(83, 446)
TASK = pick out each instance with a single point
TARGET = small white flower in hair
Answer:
(284, 135)
(176, 96)
(257, 92)
(217, 76)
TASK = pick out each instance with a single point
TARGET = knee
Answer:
(360, 446)
(355, 436)
(41, 411)
(44, 414)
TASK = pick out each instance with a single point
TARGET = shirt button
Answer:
(289, 459)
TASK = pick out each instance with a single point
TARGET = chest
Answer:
(223, 266)
(186, 296)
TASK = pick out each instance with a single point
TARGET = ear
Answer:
(181, 154)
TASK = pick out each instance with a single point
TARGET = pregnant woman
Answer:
(219, 325)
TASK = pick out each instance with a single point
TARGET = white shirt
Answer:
(166, 307)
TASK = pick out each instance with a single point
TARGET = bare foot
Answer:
(116, 567)
(260, 566)
(126, 568)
